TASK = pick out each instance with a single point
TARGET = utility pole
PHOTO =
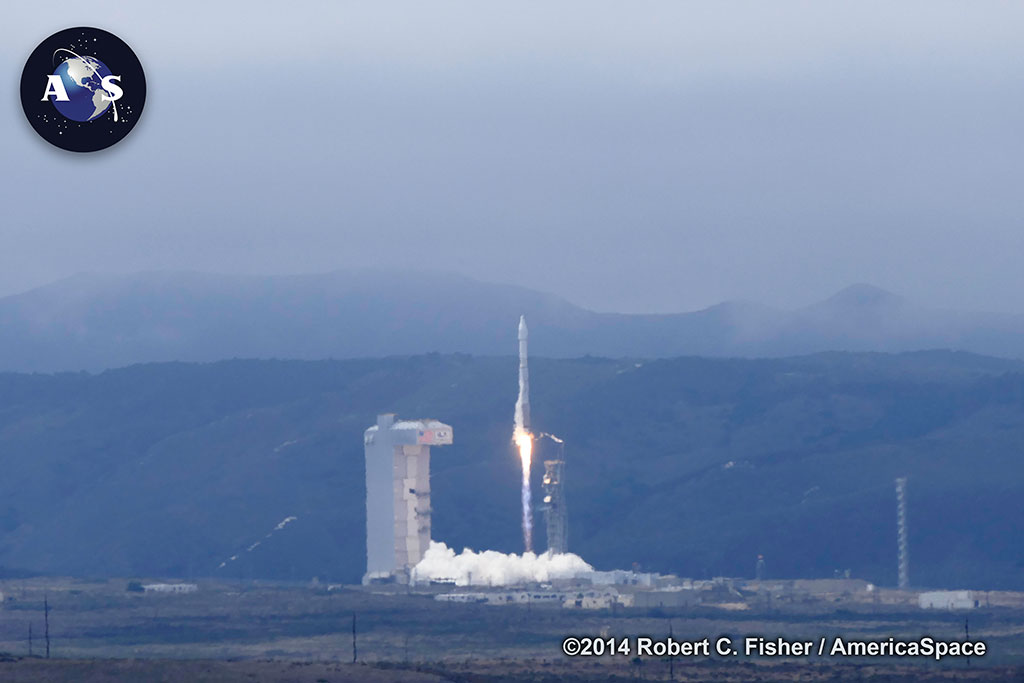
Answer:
(671, 658)
(967, 635)
(46, 623)
(354, 651)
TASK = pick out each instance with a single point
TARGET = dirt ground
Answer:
(35, 670)
(248, 632)
(198, 671)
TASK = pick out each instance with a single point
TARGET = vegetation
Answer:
(687, 465)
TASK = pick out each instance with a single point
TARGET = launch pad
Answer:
(398, 508)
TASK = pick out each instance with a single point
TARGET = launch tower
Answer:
(555, 512)
(398, 493)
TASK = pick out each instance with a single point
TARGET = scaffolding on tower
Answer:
(555, 512)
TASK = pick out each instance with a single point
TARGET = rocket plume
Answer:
(522, 436)
(524, 442)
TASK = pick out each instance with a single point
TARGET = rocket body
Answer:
(523, 404)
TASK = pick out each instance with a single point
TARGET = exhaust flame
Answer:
(524, 442)
(521, 434)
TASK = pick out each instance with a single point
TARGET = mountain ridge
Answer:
(94, 322)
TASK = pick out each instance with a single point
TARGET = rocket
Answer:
(523, 404)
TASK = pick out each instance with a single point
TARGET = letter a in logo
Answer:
(55, 86)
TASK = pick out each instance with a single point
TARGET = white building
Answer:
(505, 598)
(586, 599)
(622, 577)
(170, 588)
(398, 494)
(947, 600)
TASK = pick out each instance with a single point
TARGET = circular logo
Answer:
(83, 89)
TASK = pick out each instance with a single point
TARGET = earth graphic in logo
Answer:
(83, 89)
(83, 83)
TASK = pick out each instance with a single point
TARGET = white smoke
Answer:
(491, 568)
(282, 524)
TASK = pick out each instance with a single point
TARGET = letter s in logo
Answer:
(110, 86)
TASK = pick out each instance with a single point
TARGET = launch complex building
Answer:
(398, 507)
(398, 494)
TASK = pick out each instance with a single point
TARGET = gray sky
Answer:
(628, 156)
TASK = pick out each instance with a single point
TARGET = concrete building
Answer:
(170, 588)
(533, 598)
(622, 577)
(398, 494)
(947, 600)
(580, 599)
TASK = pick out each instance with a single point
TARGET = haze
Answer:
(631, 157)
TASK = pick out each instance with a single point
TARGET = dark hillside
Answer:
(684, 465)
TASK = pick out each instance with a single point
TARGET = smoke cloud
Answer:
(282, 524)
(491, 568)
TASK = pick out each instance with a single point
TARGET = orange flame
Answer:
(524, 441)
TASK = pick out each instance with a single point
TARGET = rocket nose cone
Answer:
(522, 327)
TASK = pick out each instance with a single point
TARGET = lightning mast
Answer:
(901, 533)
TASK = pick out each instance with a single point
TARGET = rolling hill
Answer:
(686, 465)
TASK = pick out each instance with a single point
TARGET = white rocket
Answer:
(523, 403)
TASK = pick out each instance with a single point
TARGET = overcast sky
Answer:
(628, 156)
